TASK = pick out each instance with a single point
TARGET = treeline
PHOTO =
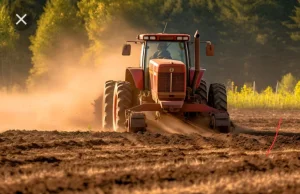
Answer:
(255, 39)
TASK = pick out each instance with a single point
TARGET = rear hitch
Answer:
(220, 121)
(136, 121)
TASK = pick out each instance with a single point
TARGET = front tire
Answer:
(123, 99)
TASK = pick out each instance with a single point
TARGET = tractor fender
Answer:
(135, 76)
(192, 72)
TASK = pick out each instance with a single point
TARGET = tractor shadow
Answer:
(170, 124)
(244, 130)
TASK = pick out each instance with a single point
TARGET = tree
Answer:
(295, 35)
(8, 38)
(58, 40)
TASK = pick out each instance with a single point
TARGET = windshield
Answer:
(165, 50)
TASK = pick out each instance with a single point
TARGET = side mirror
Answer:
(126, 50)
(210, 50)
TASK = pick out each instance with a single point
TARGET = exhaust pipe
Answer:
(197, 60)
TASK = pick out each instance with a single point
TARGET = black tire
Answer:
(202, 92)
(107, 104)
(123, 99)
(217, 97)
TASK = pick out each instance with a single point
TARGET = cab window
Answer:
(170, 50)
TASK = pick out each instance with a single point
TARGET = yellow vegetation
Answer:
(248, 98)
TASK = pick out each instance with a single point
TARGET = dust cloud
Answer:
(65, 103)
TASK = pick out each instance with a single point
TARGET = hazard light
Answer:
(149, 37)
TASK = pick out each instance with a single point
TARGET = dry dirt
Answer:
(34, 161)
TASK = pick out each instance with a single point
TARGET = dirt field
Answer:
(152, 162)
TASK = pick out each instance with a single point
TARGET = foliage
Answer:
(295, 35)
(251, 37)
(104, 20)
(53, 43)
(96, 15)
(297, 90)
(246, 98)
(287, 83)
(8, 36)
(15, 59)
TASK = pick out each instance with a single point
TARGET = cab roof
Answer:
(164, 36)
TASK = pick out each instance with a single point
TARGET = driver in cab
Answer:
(162, 52)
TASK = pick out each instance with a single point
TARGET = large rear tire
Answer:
(202, 92)
(107, 105)
(123, 99)
(217, 98)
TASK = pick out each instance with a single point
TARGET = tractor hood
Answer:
(168, 82)
(164, 65)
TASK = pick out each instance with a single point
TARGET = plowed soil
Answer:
(35, 161)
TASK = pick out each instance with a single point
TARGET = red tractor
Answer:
(166, 81)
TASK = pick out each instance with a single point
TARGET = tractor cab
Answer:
(164, 46)
(171, 47)
(161, 46)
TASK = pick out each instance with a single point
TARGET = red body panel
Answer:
(137, 74)
(198, 108)
(192, 72)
